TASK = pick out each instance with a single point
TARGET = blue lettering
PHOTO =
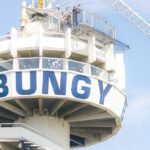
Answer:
(103, 92)
(57, 90)
(3, 86)
(33, 85)
(86, 90)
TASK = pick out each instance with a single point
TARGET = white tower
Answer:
(60, 86)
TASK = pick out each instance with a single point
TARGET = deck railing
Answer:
(94, 21)
(46, 63)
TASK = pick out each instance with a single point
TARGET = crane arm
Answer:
(131, 15)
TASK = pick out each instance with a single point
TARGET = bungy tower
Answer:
(62, 80)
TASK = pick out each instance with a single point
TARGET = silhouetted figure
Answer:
(76, 12)
(68, 21)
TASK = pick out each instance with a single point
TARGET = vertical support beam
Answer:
(13, 47)
(15, 64)
(120, 71)
(40, 43)
(91, 48)
(68, 45)
(23, 14)
(41, 62)
(110, 58)
(83, 17)
(40, 106)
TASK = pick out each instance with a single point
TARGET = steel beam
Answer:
(93, 130)
(87, 135)
(7, 116)
(12, 108)
(84, 111)
(77, 140)
(23, 106)
(57, 106)
(89, 116)
(95, 123)
(72, 109)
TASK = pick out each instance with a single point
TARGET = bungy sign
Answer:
(54, 84)
(58, 84)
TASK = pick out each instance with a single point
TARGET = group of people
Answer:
(72, 18)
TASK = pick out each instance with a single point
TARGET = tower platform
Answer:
(61, 86)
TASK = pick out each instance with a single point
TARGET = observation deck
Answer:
(61, 77)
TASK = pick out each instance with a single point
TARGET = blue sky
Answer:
(135, 132)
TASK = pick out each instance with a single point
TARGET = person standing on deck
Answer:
(76, 12)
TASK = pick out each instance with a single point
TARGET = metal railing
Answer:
(45, 34)
(77, 44)
(46, 63)
(94, 21)
(57, 24)
(5, 37)
(29, 128)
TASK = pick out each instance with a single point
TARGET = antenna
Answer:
(41, 4)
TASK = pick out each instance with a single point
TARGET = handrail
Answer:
(52, 64)
(41, 33)
(96, 22)
(5, 37)
(83, 17)
(4, 125)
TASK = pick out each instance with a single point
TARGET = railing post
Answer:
(110, 58)
(83, 16)
(23, 14)
(66, 63)
(13, 44)
(92, 20)
(68, 43)
(40, 62)
(40, 38)
(89, 69)
(15, 64)
(91, 48)
(59, 26)
(114, 33)
(106, 27)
